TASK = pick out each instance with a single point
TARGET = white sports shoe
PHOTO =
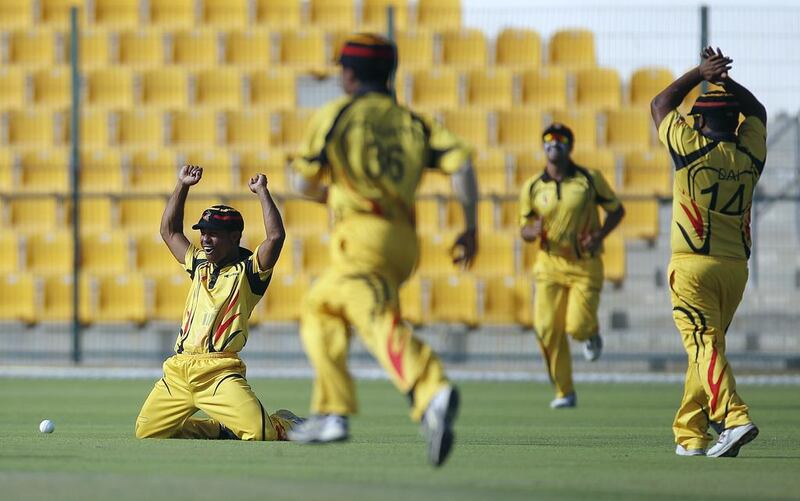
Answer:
(320, 429)
(592, 348)
(732, 439)
(565, 402)
(683, 451)
(437, 424)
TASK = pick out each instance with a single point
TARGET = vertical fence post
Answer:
(390, 36)
(74, 180)
(703, 39)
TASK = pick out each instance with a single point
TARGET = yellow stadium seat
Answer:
(314, 252)
(628, 129)
(219, 88)
(32, 48)
(572, 48)
(198, 48)
(647, 173)
(528, 163)
(411, 299)
(250, 208)
(153, 257)
(303, 49)
(172, 13)
(7, 176)
(333, 14)
(439, 15)
(52, 87)
(291, 132)
(57, 12)
(194, 128)
(273, 165)
(583, 124)
(646, 83)
(641, 219)
(454, 299)
(166, 87)
(470, 124)
(44, 171)
(490, 88)
(454, 216)
(119, 298)
(508, 212)
(435, 253)
(283, 301)
(169, 295)
(603, 160)
(101, 171)
(95, 48)
(141, 128)
(18, 298)
(415, 48)
(280, 14)
(496, 254)
(153, 171)
(306, 217)
(614, 257)
(507, 300)
(375, 18)
(34, 214)
(116, 13)
(273, 89)
(225, 13)
(16, 14)
(11, 258)
(487, 214)
(464, 47)
(519, 128)
(490, 159)
(435, 88)
(95, 213)
(217, 170)
(435, 183)
(544, 88)
(142, 48)
(105, 253)
(492, 183)
(50, 253)
(598, 88)
(518, 48)
(95, 129)
(12, 88)
(56, 304)
(247, 128)
(428, 213)
(248, 48)
(110, 88)
(141, 215)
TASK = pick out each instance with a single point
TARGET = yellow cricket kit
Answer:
(220, 302)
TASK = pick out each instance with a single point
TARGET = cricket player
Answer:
(716, 171)
(559, 208)
(374, 152)
(206, 372)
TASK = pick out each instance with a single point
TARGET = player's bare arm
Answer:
(711, 68)
(748, 104)
(591, 241)
(465, 187)
(531, 231)
(270, 248)
(310, 188)
(172, 219)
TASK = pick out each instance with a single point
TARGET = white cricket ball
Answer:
(47, 426)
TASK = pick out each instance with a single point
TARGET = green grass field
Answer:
(510, 445)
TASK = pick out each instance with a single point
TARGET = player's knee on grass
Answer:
(142, 428)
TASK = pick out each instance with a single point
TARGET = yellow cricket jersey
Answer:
(713, 188)
(220, 302)
(568, 208)
(375, 152)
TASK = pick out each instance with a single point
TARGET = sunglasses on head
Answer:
(555, 138)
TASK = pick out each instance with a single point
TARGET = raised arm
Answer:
(270, 248)
(172, 219)
(748, 104)
(465, 188)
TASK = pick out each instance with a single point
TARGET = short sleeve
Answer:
(194, 257)
(676, 134)
(526, 209)
(752, 137)
(311, 155)
(448, 151)
(257, 278)
(605, 196)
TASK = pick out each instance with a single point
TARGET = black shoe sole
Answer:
(440, 446)
(746, 439)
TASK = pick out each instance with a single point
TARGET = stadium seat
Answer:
(428, 212)
(641, 219)
(169, 294)
(435, 88)
(291, 131)
(50, 252)
(628, 129)
(528, 163)
(44, 171)
(56, 304)
(117, 14)
(470, 124)
(572, 48)
(583, 124)
(194, 128)
(603, 160)
(598, 88)
(35, 47)
(110, 88)
(518, 48)
(16, 14)
(118, 298)
(273, 89)
(278, 14)
(508, 212)
(225, 13)
(153, 171)
(166, 87)
(646, 83)
(374, 15)
(105, 253)
(303, 49)
(273, 165)
(306, 217)
(101, 171)
(413, 307)
(490, 88)
(438, 15)
(95, 128)
(490, 159)
(171, 13)
(219, 88)
(153, 258)
(12, 88)
(314, 252)
(497, 254)
(248, 48)
(507, 300)
(52, 87)
(435, 253)
(492, 182)
(141, 128)
(454, 299)
(34, 214)
(18, 298)
(415, 48)
(56, 13)
(217, 170)
(95, 213)
(464, 47)
(142, 48)
(95, 48)
(197, 48)
(519, 128)
(544, 88)
(284, 299)
(247, 128)
(453, 216)
(141, 215)
(333, 14)
(11, 252)
(614, 258)
(7, 177)
(250, 208)
(647, 173)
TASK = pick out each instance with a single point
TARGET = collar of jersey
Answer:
(570, 173)
(243, 254)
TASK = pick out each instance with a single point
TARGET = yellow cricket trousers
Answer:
(566, 301)
(214, 383)
(705, 293)
(370, 259)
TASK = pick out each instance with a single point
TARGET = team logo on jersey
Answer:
(695, 218)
